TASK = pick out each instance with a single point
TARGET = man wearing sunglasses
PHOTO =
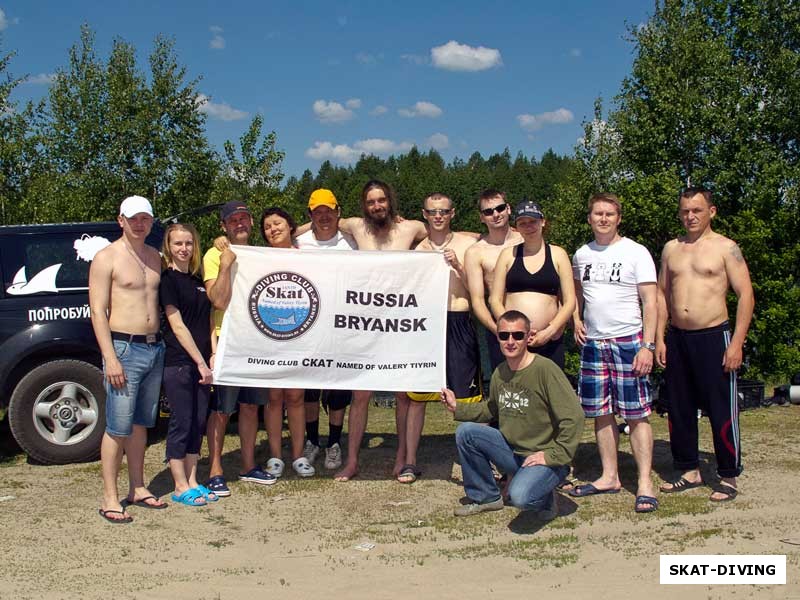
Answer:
(540, 424)
(462, 357)
(481, 258)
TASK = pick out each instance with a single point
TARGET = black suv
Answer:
(51, 383)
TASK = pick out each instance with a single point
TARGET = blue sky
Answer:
(334, 79)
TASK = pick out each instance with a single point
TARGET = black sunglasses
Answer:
(517, 335)
(487, 212)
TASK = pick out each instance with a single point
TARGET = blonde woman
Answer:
(191, 342)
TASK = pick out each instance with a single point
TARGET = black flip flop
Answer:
(105, 513)
(727, 489)
(411, 472)
(142, 502)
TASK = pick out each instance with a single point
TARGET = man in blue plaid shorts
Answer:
(612, 275)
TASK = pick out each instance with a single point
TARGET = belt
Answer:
(149, 338)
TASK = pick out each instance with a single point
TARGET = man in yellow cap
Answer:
(324, 234)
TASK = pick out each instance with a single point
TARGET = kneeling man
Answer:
(540, 424)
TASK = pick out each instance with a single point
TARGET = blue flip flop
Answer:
(588, 489)
(653, 502)
(207, 493)
(190, 498)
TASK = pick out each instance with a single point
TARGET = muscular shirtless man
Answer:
(377, 229)
(699, 353)
(481, 258)
(123, 295)
(462, 357)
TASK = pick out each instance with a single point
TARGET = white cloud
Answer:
(438, 141)
(453, 56)
(41, 79)
(344, 153)
(221, 111)
(575, 52)
(3, 20)
(379, 110)
(217, 41)
(331, 112)
(536, 122)
(353, 103)
(414, 59)
(368, 59)
(421, 109)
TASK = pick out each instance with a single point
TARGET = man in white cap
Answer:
(123, 295)
(324, 211)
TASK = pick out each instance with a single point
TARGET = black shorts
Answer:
(554, 350)
(462, 361)
(331, 399)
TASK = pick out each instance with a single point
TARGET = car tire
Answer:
(57, 412)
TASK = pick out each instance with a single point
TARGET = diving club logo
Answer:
(283, 305)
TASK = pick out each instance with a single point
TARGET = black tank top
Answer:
(544, 281)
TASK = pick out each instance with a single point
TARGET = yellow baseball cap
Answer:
(322, 197)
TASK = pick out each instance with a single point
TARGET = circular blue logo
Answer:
(283, 305)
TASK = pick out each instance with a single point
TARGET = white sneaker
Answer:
(310, 451)
(333, 457)
(275, 467)
(303, 468)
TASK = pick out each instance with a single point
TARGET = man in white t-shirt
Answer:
(612, 275)
(325, 235)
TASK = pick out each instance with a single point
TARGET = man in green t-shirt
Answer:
(540, 423)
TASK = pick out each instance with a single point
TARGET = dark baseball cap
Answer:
(528, 208)
(231, 208)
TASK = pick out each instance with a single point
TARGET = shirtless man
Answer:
(699, 353)
(123, 295)
(377, 229)
(462, 358)
(481, 258)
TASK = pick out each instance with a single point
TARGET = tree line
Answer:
(712, 97)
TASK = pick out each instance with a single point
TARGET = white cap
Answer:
(133, 205)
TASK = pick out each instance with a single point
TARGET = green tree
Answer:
(713, 96)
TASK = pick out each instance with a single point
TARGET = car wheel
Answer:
(58, 412)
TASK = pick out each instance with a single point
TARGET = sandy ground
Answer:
(298, 539)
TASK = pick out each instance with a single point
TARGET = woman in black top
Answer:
(535, 278)
(191, 342)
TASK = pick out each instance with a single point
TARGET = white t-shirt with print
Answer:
(609, 276)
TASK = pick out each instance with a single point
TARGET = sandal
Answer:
(207, 493)
(681, 485)
(408, 474)
(191, 497)
(727, 489)
(303, 468)
(275, 467)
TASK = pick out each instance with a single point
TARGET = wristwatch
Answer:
(649, 346)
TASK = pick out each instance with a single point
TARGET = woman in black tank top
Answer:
(535, 278)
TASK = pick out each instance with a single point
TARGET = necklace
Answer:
(447, 240)
(138, 260)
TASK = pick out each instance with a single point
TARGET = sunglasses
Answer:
(442, 212)
(517, 335)
(487, 212)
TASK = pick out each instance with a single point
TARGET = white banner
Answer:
(349, 320)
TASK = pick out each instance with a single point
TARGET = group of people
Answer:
(523, 290)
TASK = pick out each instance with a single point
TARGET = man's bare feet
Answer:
(346, 474)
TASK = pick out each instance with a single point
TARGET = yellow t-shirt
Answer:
(211, 271)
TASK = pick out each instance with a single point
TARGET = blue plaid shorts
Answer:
(607, 384)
